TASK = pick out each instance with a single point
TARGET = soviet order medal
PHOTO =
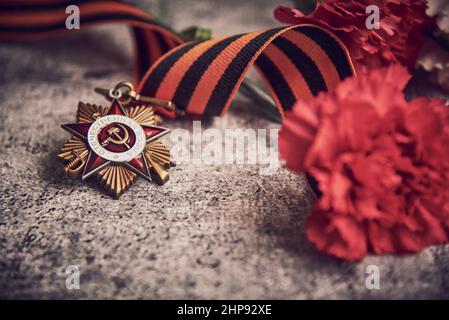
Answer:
(118, 143)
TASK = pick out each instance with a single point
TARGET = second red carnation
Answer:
(398, 40)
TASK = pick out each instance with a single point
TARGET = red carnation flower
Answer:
(398, 40)
(381, 164)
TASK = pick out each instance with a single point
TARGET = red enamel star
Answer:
(115, 139)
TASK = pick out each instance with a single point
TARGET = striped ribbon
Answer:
(36, 19)
(296, 62)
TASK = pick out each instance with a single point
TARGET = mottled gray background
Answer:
(211, 232)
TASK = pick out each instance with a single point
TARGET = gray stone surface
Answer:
(211, 232)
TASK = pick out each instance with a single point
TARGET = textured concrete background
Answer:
(211, 232)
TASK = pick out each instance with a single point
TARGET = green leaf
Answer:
(305, 6)
(196, 33)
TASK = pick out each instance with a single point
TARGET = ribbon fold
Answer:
(296, 62)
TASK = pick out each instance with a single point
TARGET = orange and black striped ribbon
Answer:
(296, 62)
(36, 19)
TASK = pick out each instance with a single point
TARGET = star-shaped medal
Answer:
(116, 144)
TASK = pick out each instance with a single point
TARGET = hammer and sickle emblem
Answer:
(115, 138)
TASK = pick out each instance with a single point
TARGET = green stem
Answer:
(265, 103)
